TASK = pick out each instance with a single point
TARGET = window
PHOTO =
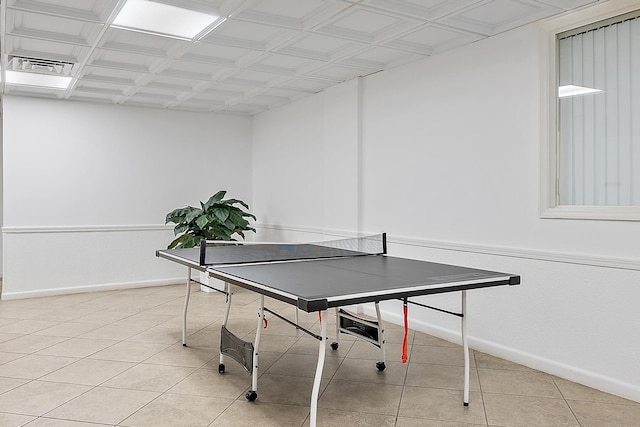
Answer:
(594, 149)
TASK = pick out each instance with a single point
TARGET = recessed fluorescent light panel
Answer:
(37, 80)
(162, 19)
(571, 90)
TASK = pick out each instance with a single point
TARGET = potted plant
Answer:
(217, 219)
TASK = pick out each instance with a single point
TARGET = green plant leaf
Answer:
(214, 199)
(202, 221)
(221, 213)
(176, 215)
(180, 228)
(193, 214)
(217, 219)
(184, 241)
(236, 216)
(222, 232)
(230, 225)
(234, 201)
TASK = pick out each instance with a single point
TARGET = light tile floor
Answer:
(115, 358)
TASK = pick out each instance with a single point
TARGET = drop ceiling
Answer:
(265, 54)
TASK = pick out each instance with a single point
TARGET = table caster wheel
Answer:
(334, 345)
(251, 395)
(221, 368)
(380, 366)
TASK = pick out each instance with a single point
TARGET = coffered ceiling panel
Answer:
(130, 41)
(35, 25)
(258, 55)
(96, 88)
(113, 76)
(495, 16)
(85, 10)
(433, 38)
(42, 49)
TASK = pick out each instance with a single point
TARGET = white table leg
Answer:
(186, 305)
(319, 368)
(381, 363)
(227, 308)
(256, 346)
(465, 347)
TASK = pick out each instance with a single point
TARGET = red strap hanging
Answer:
(320, 317)
(405, 340)
(266, 322)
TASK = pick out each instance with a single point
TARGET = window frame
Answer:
(550, 207)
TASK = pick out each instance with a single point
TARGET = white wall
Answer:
(450, 168)
(303, 162)
(87, 187)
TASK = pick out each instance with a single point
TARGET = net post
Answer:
(203, 251)
(384, 243)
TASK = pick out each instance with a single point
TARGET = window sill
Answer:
(606, 213)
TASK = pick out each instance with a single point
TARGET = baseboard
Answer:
(581, 376)
(90, 288)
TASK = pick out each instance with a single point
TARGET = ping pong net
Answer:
(213, 252)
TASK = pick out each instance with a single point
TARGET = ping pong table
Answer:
(316, 277)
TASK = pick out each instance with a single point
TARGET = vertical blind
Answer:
(599, 133)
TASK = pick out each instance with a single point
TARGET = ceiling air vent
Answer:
(41, 66)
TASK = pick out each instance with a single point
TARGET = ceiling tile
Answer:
(160, 94)
(110, 75)
(294, 14)
(307, 84)
(169, 83)
(197, 107)
(92, 97)
(123, 60)
(97, 88)
(245, 109)
(45, 49)
(144, 102)
(38, 26)
(252, 78)
(219, 94)
(85, 10)
(216, 54)
(366, 25)
(339, 73)
(380, 57)
(320, 47)
(432, 38)
(423, 9)
(264, 53)
(284, 93)
(191, 70)
(567, 4)
(282, 64)
(246, 35)
(151, 96)
(134, 42)
(492, 17)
